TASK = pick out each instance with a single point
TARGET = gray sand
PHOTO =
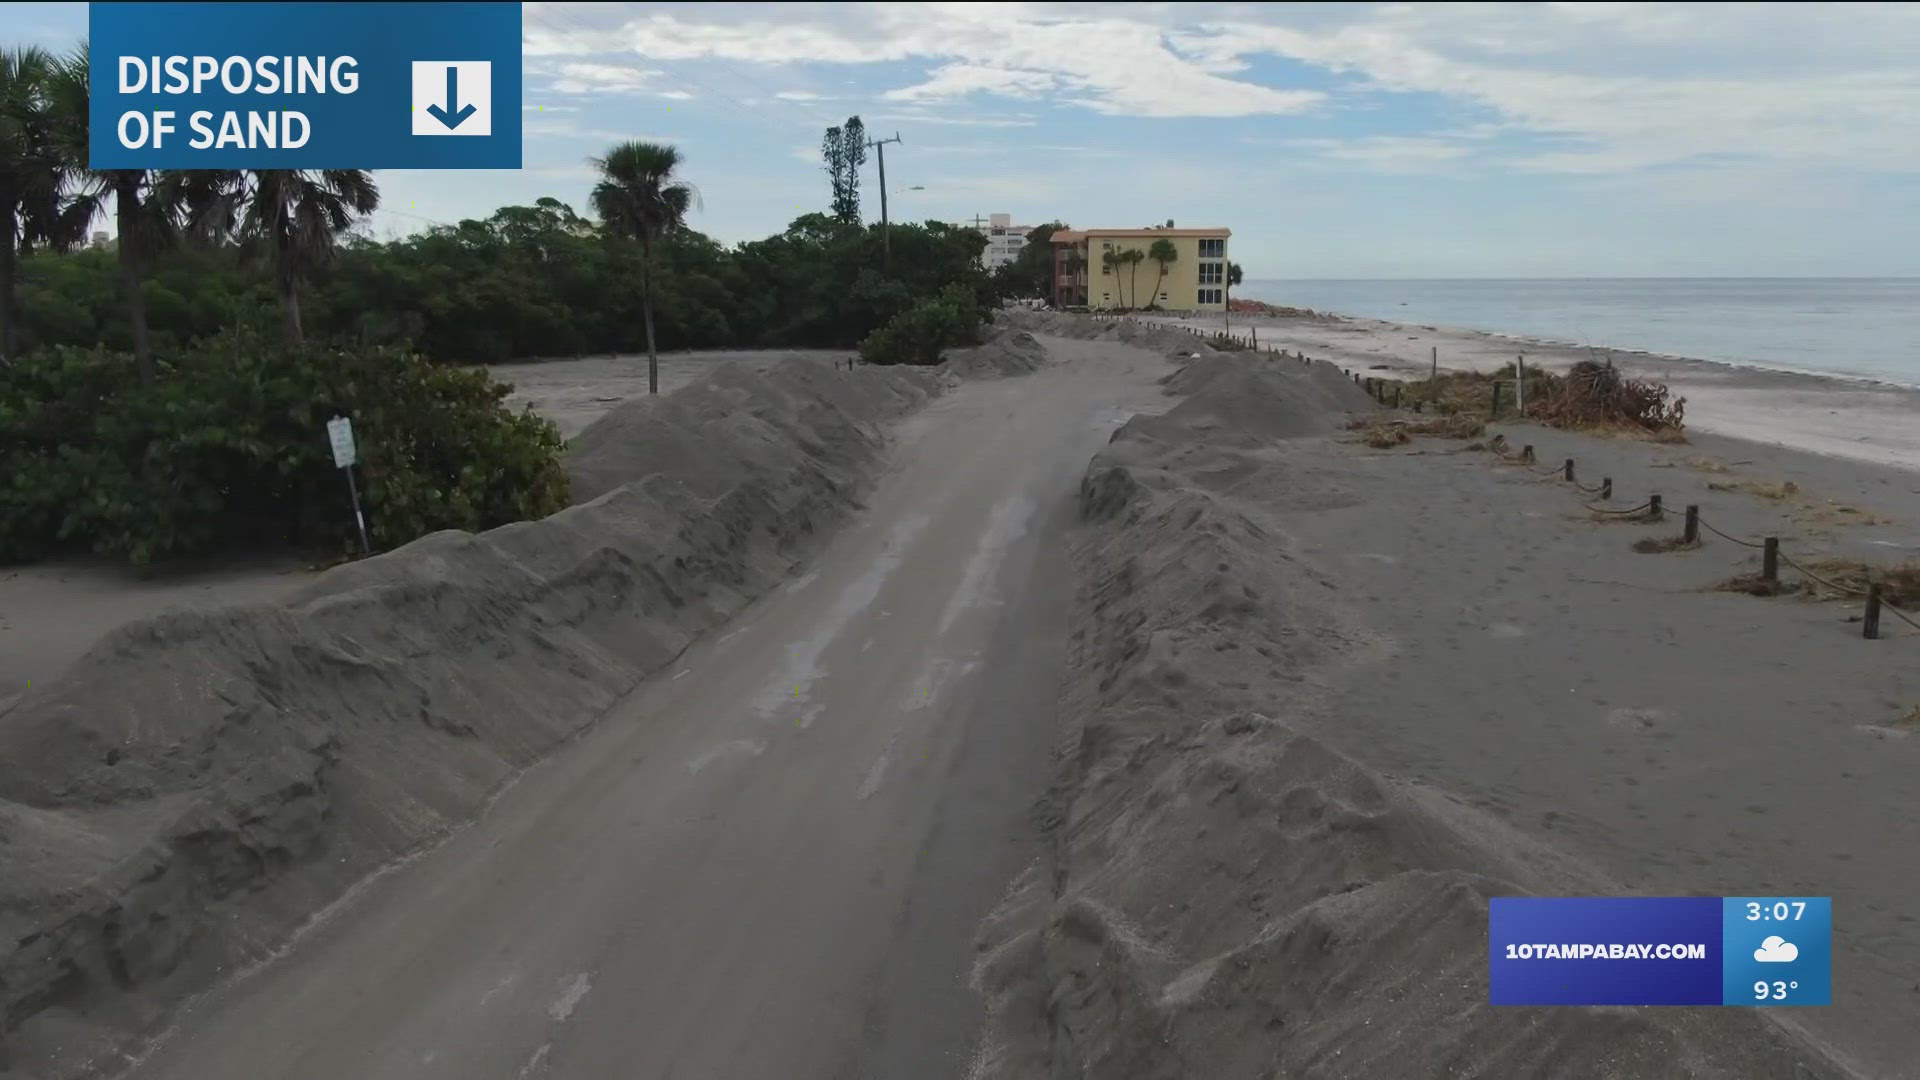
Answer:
(201, 781)
(1324, 700)
(575, 393)
(769, 859)
(1320, 702)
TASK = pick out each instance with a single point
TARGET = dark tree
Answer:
(845, 149)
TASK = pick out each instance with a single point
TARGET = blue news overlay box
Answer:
(1561, 950)
(304, 86)
(1779, 950)
(1665, 950)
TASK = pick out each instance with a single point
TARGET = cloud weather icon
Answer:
(1776, 950)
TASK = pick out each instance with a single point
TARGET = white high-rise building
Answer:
(1004, 240)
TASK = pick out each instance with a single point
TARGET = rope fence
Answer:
(1388, 393)
(1652, 510)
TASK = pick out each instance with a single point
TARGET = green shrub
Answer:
(919, 335)
(228, 448)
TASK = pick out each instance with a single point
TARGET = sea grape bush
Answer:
(226, 448)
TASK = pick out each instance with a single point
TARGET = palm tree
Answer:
(1110, 263)
(1163, 252)
(639, 197)
(288, 219)
(1133, 258)
(147, 205)
(30, 178)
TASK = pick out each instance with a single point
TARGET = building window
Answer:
(1213, 273)
(1209, 296)
(1213, 249)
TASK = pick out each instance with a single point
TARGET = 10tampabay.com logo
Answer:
(305, 85)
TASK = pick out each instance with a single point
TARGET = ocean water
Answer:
(1851, 326)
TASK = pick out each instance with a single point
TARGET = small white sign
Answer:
(453, 97)
(340, 434)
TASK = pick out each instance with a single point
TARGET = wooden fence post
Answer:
(1691, 534)
(1569, 471)
(1870, 625)
(1653, 508)
(1606, 488)
(1770, 559)
(1493, 410)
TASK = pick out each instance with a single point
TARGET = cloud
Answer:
(998, 50)
(958, 121)
(1777, 950)
(1625, 87)
(1380, 153)
(1609, 88)
(800, 95)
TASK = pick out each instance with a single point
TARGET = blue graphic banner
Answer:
(304, 86)
(1673, 950)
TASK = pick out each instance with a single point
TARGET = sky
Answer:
(1335, 140)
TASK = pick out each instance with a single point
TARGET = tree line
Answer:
(165, 396)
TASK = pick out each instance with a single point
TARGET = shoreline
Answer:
(1846, 416)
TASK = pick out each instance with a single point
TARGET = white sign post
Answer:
(340, 434)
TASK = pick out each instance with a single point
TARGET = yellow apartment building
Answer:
(1085, 275)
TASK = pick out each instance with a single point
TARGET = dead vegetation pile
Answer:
(1594, 395)
(1591, 396)
(1831, 578)
(1899, 583)
(1384, 436)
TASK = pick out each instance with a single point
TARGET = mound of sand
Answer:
(1008, 350)
(1238, 401)
(1226, 896)
(201, 781)
(1162, 339)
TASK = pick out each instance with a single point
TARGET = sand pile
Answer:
(201, 781)
(1008, 350)
(1226, 896)
(1248, 402)
(1161, 339)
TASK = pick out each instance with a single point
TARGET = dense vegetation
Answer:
(529, 281)
(169, 395)
(226, 449)
(922, 333)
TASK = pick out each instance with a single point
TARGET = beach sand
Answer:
(1857, 419)
(1324, 699)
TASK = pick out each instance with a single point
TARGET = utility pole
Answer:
(886, 228)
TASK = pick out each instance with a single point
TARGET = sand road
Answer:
(772, 858)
